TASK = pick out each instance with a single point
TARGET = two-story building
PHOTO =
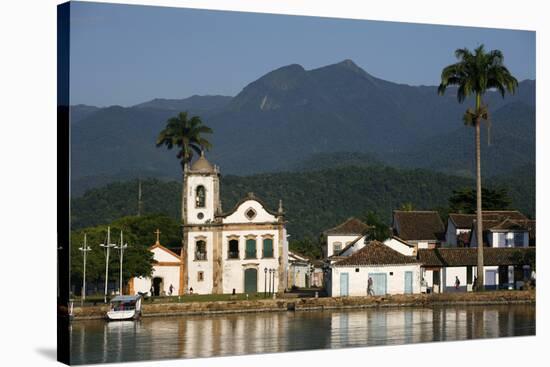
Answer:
(419, 228)
(237, 251)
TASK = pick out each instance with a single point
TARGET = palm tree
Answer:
(474, 74)
(186, 134)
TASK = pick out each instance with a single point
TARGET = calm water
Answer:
(207, 336)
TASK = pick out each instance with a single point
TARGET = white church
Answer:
(243, 250)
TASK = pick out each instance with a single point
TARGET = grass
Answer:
(98, 299)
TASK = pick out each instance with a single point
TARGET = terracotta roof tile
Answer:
(465, 221)
(352, 226)
(492, 256)
(376, 253)
(418, 225)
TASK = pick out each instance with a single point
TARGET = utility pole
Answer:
(122, 247)
(107, 246)
(85, 248)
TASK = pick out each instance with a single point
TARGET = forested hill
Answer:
(313, 200)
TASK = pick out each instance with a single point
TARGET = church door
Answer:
(157, 286)
(250, 281)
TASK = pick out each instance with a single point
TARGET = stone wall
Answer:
(327, 303)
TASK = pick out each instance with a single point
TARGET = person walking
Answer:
(457, 283)
(370, 291)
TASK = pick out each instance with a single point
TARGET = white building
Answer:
(420, 228)
(459, 227)
(390, 271)
(167, 273)
(237, 251)
(341, 236)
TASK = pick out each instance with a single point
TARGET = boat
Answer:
(125, 308)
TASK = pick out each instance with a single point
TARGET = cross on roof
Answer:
(157, 232)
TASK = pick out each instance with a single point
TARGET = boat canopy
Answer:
(125, 298)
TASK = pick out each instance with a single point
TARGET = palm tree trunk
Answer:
(479, 217)
(183, 253)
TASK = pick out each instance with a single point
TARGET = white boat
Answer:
(125, 308)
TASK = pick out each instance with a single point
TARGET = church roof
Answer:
(202, 165)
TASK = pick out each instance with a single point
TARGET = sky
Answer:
(127, 54)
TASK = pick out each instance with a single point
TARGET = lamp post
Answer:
(274, 282)
(122, 247)
(270, 272)
(85, 248)
(265, 282)
(107, 246)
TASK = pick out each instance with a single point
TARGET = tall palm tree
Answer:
(474, 74)
(188, 135)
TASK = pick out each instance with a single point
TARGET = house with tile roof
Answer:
(390, 271)
(459, 227)
(504, 267)
(419, 228)
(342, 236)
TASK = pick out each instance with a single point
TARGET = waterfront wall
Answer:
(307, 304)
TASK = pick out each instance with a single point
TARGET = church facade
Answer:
(243, 250)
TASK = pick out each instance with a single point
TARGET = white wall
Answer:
(399, 246)
(344, 240)
(450, 234)
(239, 216)
(194, 266)
(161, 255)
(357, 285)
(233, 269)
(193, 181)
(169, 275)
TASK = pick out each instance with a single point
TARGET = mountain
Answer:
(196, 104)
(313, 200)
(290, 114)
(507, 144)
(81, 111)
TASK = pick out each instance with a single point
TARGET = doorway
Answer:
(157, 286)
(250, 281)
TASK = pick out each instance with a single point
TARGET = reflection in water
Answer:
(207, 336)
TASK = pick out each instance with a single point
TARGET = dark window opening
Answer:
(233, 252)
(200, 197)
(200, 250)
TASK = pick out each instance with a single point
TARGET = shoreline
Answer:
(316, 304)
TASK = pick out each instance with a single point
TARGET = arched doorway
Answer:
(157, 286)
(250, 280)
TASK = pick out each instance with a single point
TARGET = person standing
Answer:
(457, 283)
(170, 290)
(370, 291)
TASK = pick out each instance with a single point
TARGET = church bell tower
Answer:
(202, 192)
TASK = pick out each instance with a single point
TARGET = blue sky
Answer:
(124, 55)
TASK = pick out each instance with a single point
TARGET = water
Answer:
(220, 335)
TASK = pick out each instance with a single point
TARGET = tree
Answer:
(407, 207)
(464, 200)
(188, 135)
(378, 230)
(138, 260)
(474, 74)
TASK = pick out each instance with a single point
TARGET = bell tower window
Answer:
(200, 197)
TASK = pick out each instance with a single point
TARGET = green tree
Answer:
(188, 135)
(464, 200)
(378, 230)
(407, 207)
(138, 260)
(474, 74)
